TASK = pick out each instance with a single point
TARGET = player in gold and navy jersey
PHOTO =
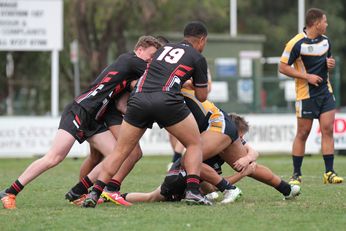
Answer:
(310, 54)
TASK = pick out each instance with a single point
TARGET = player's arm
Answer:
(291, 72)
(200, 80)
(145, 197)
(330, 60)
(240, 175)
(250, 157)
(121, 102)
(288, 57)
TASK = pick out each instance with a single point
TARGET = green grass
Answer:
(41, 206)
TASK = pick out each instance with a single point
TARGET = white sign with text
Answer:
(31, 25)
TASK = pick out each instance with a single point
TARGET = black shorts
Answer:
(112, 116)
(173, 186)
(79, 123)
(165, 108)
(312, 108)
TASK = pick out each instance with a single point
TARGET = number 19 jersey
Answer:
(171, 66)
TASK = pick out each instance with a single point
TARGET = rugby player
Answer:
(157, 98)
(82, 119)
(310, 53)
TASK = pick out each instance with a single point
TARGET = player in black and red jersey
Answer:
(82, 119)
(157, 98)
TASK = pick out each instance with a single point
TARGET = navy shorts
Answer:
(164, 108)
(312, 108)
(79, 123)
(220, 122)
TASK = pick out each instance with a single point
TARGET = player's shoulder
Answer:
(297, 39)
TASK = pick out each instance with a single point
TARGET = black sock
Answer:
(284, 188)
(176, 156)
(329, 162)
(113, 186)
(124, 195)
(192, 183)
(297, 164)
(224, 184)
(15, 188)
(98, 188)
(83, 186)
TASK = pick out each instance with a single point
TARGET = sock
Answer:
(83, 186)
(297, 164)
(113, 186)
(329, 162)
(124, 195)
(224, 184)
(176, 156)
(98, 187)
(284, 188)
(15, 188)
(192, 183)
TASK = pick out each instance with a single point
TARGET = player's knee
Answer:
(52, 161)
(303, 134)
(327, 131)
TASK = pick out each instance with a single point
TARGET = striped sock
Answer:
(192, 183)
(113, 186)
(98, 187)
(15, 188)
(83, 185)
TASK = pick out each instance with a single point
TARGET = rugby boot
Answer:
(295, 191)
(114, 197)
(8, 200)
(295, 179)
(332, 177)
(231, 195)
(196, 199)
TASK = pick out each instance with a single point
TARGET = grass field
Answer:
(41, 206)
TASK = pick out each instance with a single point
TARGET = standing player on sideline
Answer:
(157, 98)
(310, 52)
(82, 119)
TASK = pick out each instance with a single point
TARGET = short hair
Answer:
(163, 40)
(313, 15)
(195, 29)
(147, 41)
(241, 124)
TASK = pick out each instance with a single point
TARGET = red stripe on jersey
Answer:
(77, 119)
(177, 72)
(186, 67)
(180, 73)
(107, 78)
(142, 79)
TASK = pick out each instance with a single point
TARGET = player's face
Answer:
(321, 26)
(146, 53)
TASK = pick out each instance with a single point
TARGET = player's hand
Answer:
(330, 62)
(248, 170)
(314, 79)
(241, 163)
